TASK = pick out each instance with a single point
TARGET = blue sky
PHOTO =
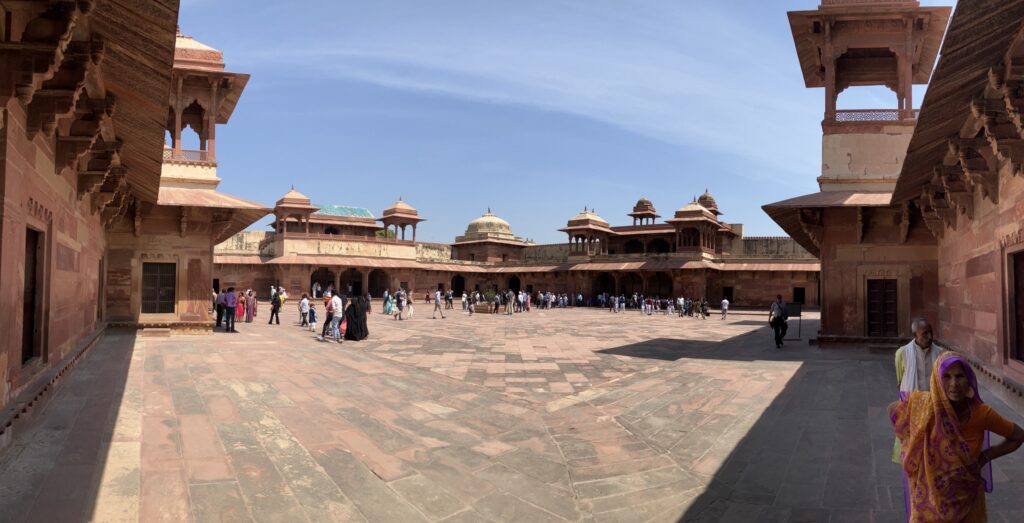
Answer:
(534, 108)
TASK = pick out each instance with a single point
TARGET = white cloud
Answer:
(687, 75)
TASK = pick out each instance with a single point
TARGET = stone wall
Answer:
(547, 253)
(73, 243)
(487, 252)
(863, 156)
(433, 252)
(245, 242)
(772, 246)
(160, 239)
(757, 289)
(880, 253)
(348, 248)
(976, 296)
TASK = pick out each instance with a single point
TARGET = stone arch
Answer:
(515, 283)
(604, 282)
(659, 246)
(633, 246)
(458, 284)
(689, 237)
(377, 282)
(351, 277)
(324, 276)
(630, 283)
(659, 284)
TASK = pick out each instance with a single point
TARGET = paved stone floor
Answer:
(565, 415)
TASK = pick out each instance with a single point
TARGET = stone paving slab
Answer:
(564, 415)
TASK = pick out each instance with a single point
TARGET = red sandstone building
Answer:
(101, 224)
(693, 253)
(944, 238)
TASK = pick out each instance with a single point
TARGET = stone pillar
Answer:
(177, 131)
(907, 74)
(414, 233)
(211, 132)
(830, 74)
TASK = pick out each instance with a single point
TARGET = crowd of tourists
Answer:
(230, 307)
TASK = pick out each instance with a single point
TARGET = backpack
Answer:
(276, 300)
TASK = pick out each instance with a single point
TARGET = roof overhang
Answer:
(972, 67)
(243, 213)
(787, 212)
(809, 43)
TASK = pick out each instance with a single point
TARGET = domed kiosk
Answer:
(644, 212)
(588, 234)
(401, 215)
(489, 238)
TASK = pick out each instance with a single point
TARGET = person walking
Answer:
(230, 302)
(328, 314)
(220, 307)
(339, 310)
(437, 305)
(250, 306)
(275, 309)
(777, 319)
(304, 311)
(725, 308)
(312, 317)
(240, 307)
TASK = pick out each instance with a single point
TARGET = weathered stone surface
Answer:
(289, 431)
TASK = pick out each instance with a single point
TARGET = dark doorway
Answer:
(440, 287)
(660, 285)
(634, 247)
(630, 283)
(32, 303)
(101, 289)
(216, 285)
(659, 246)
(159, 282)
(603, 283)
(882, 308)
(1017, 272)
(378, 282)
(727, 294)
(458, 284)
(351, 283)
(323, 276)
(799, 295)
(514, 283)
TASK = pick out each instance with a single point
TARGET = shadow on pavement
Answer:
(54, 469)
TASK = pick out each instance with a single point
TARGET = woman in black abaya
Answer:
(356, 316)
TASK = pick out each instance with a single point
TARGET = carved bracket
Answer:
(812, 223)
(904, 222)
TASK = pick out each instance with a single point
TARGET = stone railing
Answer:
(187, 156)
(874, 115)
(289, 235)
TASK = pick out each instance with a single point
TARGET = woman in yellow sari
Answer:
(945, 453)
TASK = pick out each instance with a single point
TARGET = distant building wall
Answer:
(547, 253)
(772, 246)
(245, 242)
(432, 252)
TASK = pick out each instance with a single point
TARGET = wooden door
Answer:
(882, 314)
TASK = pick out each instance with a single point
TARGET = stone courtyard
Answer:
(559, 415)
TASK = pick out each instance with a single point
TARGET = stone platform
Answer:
(562, 415)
